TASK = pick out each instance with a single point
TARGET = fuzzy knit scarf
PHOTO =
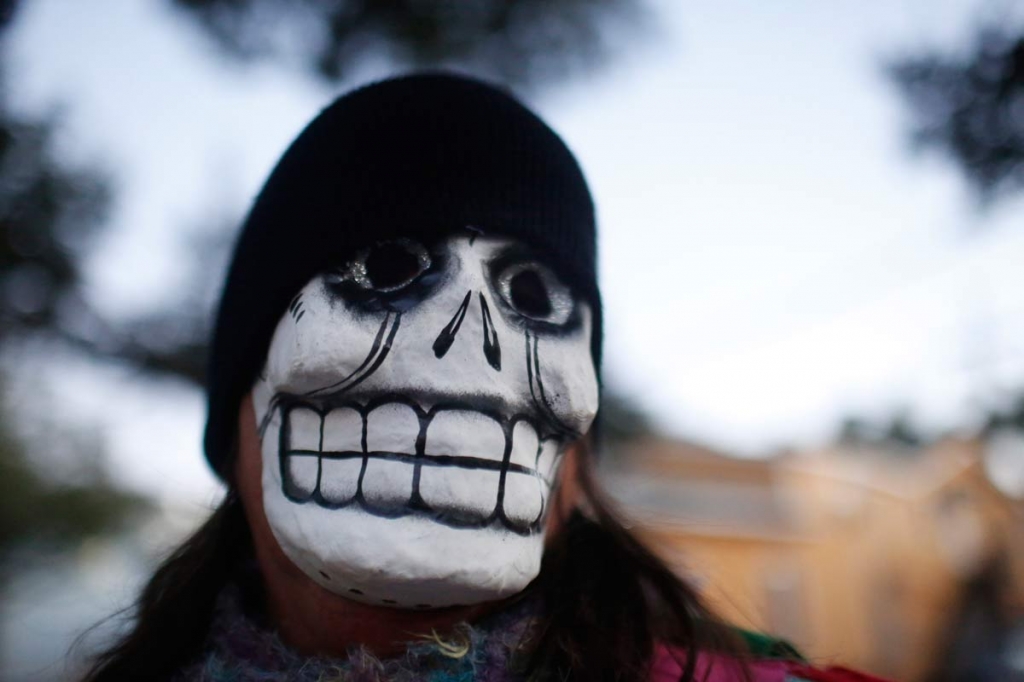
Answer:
(240, 650)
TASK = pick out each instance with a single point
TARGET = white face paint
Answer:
(413, 411)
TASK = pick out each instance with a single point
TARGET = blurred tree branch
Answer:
(971, 107)
(521, 43)
(49, 217)
(898, 435)
(51, 214)
(39, 510)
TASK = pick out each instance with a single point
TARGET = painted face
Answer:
(413, 411)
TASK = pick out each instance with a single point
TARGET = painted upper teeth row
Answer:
(395, 427)
(342, 458)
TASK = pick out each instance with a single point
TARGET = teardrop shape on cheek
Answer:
(492, 349)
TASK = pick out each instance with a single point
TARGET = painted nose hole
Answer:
(446, 338)
(492, 347)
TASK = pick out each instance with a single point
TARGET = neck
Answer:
(315, 621)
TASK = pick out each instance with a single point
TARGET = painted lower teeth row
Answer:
(460, 475)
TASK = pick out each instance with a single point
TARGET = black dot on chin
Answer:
(388, 601)
(326, 577)
(355, 591)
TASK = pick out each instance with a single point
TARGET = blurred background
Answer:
(812, 253)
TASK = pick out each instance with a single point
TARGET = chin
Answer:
(410, 562)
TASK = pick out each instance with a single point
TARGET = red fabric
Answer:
(831, 674)
(668, 666)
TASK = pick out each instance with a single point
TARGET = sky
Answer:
(772, 256)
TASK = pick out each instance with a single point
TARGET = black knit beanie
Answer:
(419, 156)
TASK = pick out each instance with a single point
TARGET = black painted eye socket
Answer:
(392, 265)
(385, 267)
(535, 292)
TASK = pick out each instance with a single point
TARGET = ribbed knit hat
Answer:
(420, 157)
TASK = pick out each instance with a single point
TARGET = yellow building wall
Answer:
(866, 574)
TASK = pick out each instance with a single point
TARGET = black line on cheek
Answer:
(543, 397)
(380, 358)
(492, 349)
(533, 377)
(446, 338)
(369, 358)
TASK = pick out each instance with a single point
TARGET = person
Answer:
(402, 402)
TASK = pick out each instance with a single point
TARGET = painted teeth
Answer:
(525, 445)
(387, 485)
(527, 489)
(302, 472)
(462, 432)
(304, 430)
(471, 494)
(339, 478)
(370, 457)
(343, 430)
(392, 428)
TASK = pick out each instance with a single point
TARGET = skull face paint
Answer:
(414, 409)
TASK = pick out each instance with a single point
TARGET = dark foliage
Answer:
(971, 107)
(523, 42)
(176, 606)
(49, 215)
(37, 511)
(898, 435)
(1010, 417)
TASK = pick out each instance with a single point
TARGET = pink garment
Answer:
(667, 667)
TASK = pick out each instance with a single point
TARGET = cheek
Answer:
(249, 463)
(568, 381)
(325, 343)
(566, 494)
(249, 480)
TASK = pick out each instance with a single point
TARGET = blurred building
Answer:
(908, 563)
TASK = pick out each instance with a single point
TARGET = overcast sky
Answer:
(772, 257)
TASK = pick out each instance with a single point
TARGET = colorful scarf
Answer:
(240, 650)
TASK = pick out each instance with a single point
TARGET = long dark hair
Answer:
(608, 600)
